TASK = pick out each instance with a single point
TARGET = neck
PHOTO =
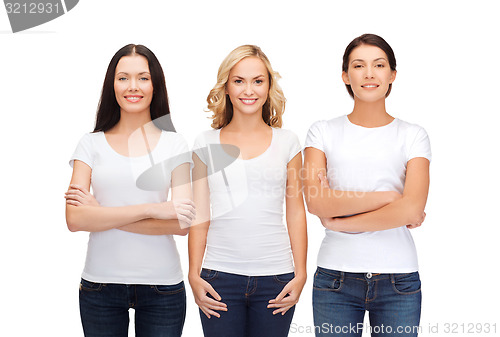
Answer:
(130, 122)
(246, 123)
(370, 114)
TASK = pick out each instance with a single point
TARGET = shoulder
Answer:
(410, 129)
(170, 136)
(327, 125)
(91, 138)
(284, 133)
(207, 137)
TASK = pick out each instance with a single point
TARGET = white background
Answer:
(447, 81)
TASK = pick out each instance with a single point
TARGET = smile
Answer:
(368, 86)
(248, 101)
(133, 99)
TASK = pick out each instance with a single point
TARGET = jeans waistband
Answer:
(360, 276)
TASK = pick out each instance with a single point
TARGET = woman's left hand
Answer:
(283, 302)
(79, 196)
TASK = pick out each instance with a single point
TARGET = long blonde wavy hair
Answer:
(220, 104)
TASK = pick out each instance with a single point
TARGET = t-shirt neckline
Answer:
(260, 155)
(132, 157)
(347, 121)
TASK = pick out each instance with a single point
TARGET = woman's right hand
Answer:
(207, 304)
(181, 209)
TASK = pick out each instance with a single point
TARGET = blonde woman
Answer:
(254, 268)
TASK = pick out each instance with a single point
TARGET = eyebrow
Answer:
(380, 58)
(244, 78)
(141, 73)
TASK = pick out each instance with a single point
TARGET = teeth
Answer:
(133, 98)
(369, 86)
(248, 101)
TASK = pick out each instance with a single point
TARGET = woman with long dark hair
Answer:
(131, 161)
(367, 178)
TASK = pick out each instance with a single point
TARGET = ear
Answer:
(393, 76)
(345, 78)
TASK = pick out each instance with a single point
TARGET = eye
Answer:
(238, 81)
(380, 65)
(122, 78)
(259, 81)
(144, 78)
(357, 66)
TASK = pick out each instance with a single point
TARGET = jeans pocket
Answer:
(329, 280)
(283, 278)
(168, 289)
(406, 284)
(90, 286)
(208, 274)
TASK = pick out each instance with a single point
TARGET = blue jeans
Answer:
(247, 299)
(160, 310)
(340, 299)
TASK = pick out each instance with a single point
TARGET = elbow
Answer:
(73, 226)
(415, 214)
(312, 206)
(313, 209)
(72, 220)
(182, 231)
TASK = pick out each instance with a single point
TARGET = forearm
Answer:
(396, 214)
(197, 241)
(297, 231)
(156, 227)
(326, 202)
(98, 219)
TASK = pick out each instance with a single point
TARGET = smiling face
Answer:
(133, 85)
(369, 73)
(248, 86)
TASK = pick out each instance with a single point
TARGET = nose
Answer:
(249, 89)
(133, 85)
(369, 72)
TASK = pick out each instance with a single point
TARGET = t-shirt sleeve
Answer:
(419, 144)
(200, 147)
(314, 137)
(181, 152)
(295, 146)
(84, 151)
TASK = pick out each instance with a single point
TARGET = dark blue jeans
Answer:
(247, 298)
(340, 299)
(160, 310)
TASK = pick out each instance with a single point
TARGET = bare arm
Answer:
(197, 243)
(180, 191)
(325, 202)
(407, 210)
(95, 219)
(297, 231)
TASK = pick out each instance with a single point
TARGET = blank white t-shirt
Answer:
(116, 256)
(247, 234)
(368, 160)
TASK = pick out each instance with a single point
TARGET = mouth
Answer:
(248, 101)
(133, 98)
(370, 86)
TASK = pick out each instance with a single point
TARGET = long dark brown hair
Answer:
(108, 110)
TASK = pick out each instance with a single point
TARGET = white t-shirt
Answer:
(247, 235)
(368, 160)
(116, 256)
